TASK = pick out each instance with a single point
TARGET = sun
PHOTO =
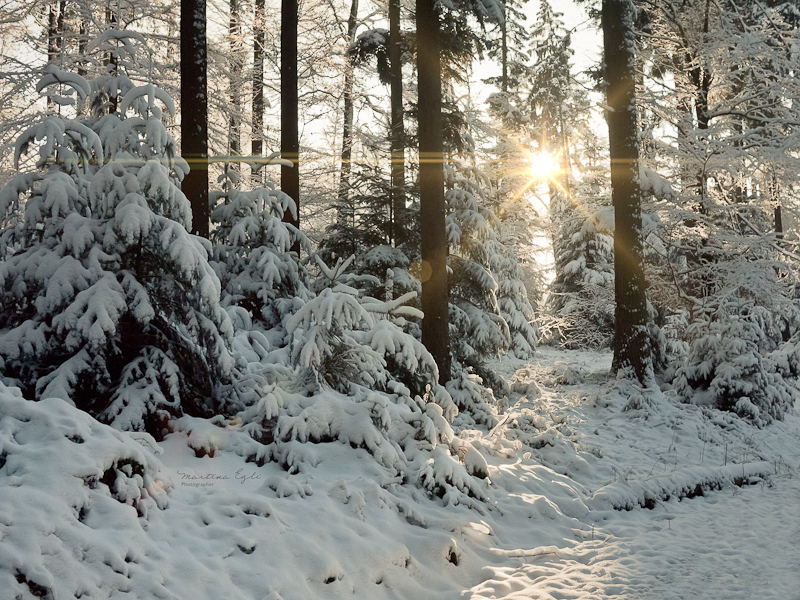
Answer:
(542, 166)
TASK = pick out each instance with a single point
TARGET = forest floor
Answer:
(584, 500)
(737, 536)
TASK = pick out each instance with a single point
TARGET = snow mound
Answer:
(75, 497)
(686, 483)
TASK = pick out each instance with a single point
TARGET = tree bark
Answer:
(435, 323)
(257, 123)
(397, 132)
(194, 111)
(631, 342)
(290, 129)
(235, 80)
(347, 128)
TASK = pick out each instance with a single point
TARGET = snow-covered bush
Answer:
(107, 301)
(733, 363)
(340, 368)
(346, 339)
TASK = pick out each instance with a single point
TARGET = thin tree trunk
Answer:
(83, 43)
(701, 79)
(435, 323)
(55, 32)
(257, 124)
(347, 128)
(194, 111)
(111, 22)
(774, 196)
(631, 342)
(397, 128)
(52, 33)
(290, 129)
(504, 56)
(235, 80)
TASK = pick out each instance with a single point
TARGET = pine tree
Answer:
(92, 311)
(718, 271)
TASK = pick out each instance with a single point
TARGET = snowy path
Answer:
(731, 544)
(724, 546)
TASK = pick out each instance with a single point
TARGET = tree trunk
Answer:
(774, 196)
(194, 111)
(290, 129)
(397, 132)
(347, 130)
(83, 43)
(504, 56)
(235, 80)
(435, 323)
(55, 33)
(257, 124)
(701, 79)
(52, 34)
(631, 342)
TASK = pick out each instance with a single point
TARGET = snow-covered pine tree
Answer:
(580, 302)
(738, 361)
(340, 369)
(252, 253)
(107, 301)
(723, 273)
(490, 311)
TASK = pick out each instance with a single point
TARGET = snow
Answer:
(89, 511)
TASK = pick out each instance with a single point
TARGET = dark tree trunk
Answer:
(397, 132)
(504, 57)
(259, 39)
(111, 23)
(194, 111)
(290, 129)
(435, 324)
(52, 33)
(631, 342)
(774, 196)
(347, 128)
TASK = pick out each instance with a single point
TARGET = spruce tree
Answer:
(108, 302)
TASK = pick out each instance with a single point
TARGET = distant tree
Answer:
(257, 117)
(347, 117)
(235, 65)
(512, 48)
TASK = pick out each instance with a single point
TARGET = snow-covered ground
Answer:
(586, 500)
